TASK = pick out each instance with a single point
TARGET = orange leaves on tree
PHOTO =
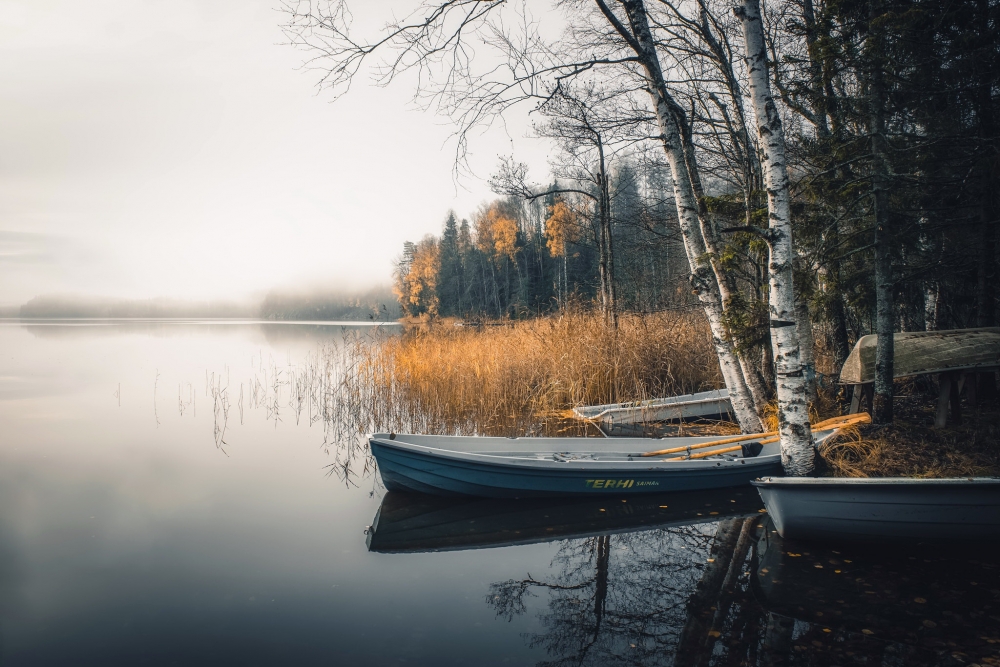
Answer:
(496, 233)
(416, 285)
(560, 228)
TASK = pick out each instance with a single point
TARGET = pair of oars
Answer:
(761, 438)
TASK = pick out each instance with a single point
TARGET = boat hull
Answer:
(875, 509)
(406, 466)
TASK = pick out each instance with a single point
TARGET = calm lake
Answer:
(180, 493)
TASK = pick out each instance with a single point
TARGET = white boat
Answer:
(690, 406)
(880, 508)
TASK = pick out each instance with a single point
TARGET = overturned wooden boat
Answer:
(713, 403)
(410, 522)
(923, 352)
(870, 508)
(950, 354)
(526, 467)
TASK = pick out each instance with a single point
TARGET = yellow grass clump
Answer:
(520, 377)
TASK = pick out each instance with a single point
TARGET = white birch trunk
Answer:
(702, 277)
(797, 453)
(804, 329)
(931, 306)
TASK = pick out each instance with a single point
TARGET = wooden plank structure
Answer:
(956, 356)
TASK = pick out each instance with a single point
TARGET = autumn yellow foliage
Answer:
(496, 233)
(416, 287)
(560, 228)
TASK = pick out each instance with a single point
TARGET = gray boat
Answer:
(875, 508)
(526, 467)
(713, 403)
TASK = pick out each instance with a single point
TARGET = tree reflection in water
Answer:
(733, 593)
(616, 599)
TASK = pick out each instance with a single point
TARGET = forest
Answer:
(711, 155)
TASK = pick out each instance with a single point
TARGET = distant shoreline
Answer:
(81, 321)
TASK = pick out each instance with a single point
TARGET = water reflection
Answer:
(703, 579)
(416, 522)
(923, 603)
(126, 537)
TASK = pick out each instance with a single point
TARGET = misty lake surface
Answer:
(167, 497)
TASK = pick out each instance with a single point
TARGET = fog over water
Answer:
(176, 149)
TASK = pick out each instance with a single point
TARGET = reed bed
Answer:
(521, 377)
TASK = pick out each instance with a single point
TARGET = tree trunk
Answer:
(986, 292)
(797, 452)
(885, 323)
(804, 330)
(702, 277)
(931, 291)
(817, 96)
(727, 286)
(730, 546)
(611, 311)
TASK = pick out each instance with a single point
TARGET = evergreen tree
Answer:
(449, 281)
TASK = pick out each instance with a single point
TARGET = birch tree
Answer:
(797, 453)
(672, 122)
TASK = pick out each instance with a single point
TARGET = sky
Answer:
(176, 148)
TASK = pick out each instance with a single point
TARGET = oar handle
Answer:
(713, 443)
(705, 454)
(844, 420)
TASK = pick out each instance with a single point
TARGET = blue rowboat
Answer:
(880, 508)
(527, 467)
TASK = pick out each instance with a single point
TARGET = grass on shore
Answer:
(519, 378)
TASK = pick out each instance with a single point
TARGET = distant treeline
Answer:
(376, 303)
(518, 258)
(73, 306)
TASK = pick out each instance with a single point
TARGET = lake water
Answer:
(168, 497)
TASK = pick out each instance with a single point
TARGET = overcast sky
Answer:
(172, 148)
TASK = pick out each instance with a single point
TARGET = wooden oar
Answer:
(713, 443)
(835, 422)
(770, 436)
(706, 454)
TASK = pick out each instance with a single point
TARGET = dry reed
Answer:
(520, 377)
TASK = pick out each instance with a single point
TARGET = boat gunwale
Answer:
(830, 482)
(532, 462)
(526, 462)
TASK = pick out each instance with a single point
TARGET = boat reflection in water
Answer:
(417, 522)
(705, 579)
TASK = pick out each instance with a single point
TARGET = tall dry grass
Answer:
(518, 378)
